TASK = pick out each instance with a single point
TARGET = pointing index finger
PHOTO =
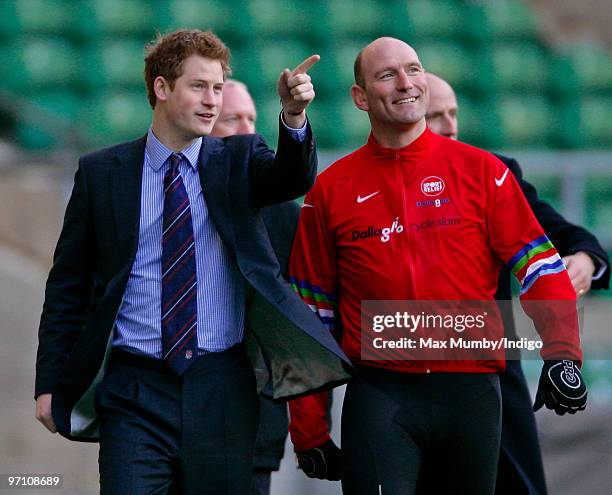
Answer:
(306, 64)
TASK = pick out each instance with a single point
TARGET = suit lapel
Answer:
(214, 171)
(126, 190)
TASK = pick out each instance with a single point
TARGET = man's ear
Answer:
(359, 97)
(161, 88)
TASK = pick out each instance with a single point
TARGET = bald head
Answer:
(441, 113)
(371, 50)
(237, 112)
(392, 89)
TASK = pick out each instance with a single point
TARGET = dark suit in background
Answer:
(520, 463)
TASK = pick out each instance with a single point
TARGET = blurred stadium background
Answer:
(534, 79)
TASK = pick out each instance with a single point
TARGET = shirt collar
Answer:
(159, 153)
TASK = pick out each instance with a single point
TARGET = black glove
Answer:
(323, 462)
(561, 387)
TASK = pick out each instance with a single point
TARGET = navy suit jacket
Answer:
(97, 247)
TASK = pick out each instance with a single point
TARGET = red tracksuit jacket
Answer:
(434, 220)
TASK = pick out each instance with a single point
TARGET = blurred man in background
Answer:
(238, 116)
(520, 463)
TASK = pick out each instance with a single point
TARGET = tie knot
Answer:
(175, 160)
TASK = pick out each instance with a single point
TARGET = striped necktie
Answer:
(179, 279)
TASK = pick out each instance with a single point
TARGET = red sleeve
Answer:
(546, 294)
(308, 424)
(312, 273)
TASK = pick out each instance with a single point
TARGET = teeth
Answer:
(412, 99)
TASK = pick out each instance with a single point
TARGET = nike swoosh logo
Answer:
(306, 205)
(365, 198)
(499, 182)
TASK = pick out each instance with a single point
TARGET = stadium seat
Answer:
(450, 61)
(51, 112)
(598, 199)
(509, 19)
(333, 75)
(231, 21)
(31, 17)
(353, 124)
(596, 121)
(435, 19)
(549, 187)
(287, 19)
(589, 67)
(115, 17)
(479, 122)
(30, 63)
(259, 66)
(367, 18)
(526, 120)
(114, 62)
(116, 115)
(520, 66)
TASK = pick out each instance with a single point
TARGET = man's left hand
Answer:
(580, 268)
(561, 387)
(296, 92)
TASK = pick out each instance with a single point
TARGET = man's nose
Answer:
(245, 126)
(403, 80)
(449, 127)
(208, 97)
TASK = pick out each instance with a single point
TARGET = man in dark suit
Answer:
(142, 334)
(520, 462)
(238, 116)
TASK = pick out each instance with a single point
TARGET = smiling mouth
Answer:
(206, 116)
(403, 101)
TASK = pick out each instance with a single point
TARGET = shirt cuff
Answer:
(298, 134)
(600, 266)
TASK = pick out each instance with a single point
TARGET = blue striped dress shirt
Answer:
(220, 296)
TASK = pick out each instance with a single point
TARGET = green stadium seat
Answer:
(367, 18)
(520, 66)
(229, 20)
(596, 121)
(509, 19)
(51, 113)
(290, 18)
(332, 125)
(589, 67)
(115, 17)
(479, 122)
(598, 197)
(260, 66)
(30, 63)
(353, 125)
(46, 17)
(118, 62)
(549, 188)
(526, 120)
(268, 109)
(436, 19)
(450, 61)
(333, 74)
(116, 115)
